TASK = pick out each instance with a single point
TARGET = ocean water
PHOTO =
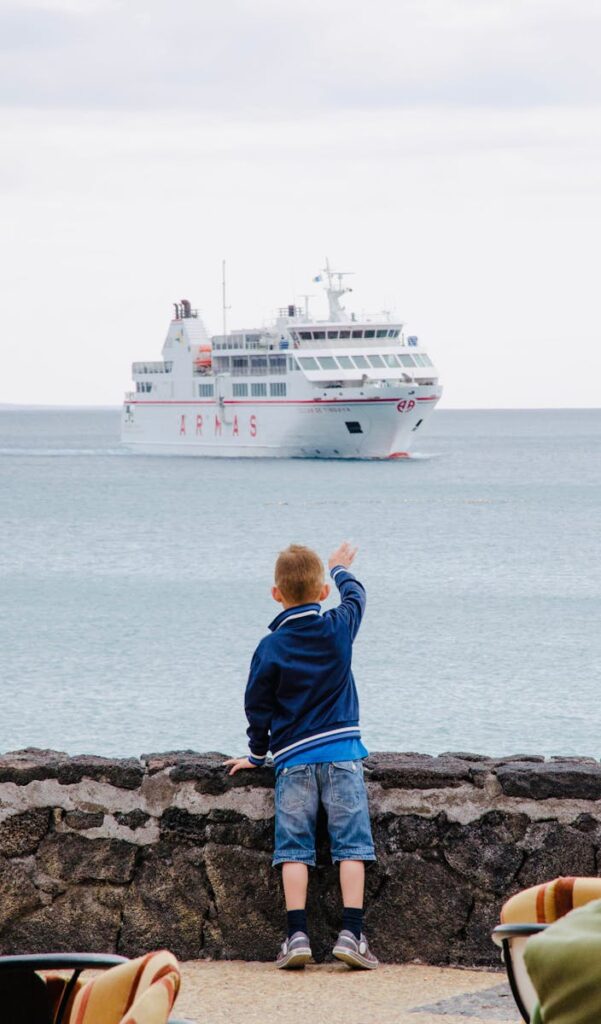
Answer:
(134, 589)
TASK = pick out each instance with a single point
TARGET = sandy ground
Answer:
(233, 992)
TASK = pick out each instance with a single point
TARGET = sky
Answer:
(448, 152)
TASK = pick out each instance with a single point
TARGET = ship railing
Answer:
(158, 366)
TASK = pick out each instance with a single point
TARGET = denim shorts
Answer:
(340, 787)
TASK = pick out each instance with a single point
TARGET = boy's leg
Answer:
(296, 805)
(352, 887)
(295, 879)
(352, 882)
(345, 799)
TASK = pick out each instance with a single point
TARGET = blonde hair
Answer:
(299, 574)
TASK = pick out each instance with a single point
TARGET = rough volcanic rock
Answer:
(249, 911)
(159, 762)
(18, 895)
(124, 773)
(222, 826)
(32, 764)
(83, 919)
(566, 780)
(72, 857)
(210, 776)
(132, 819)
(166, 905)
(473, 947)
(406, 833)
(420, 909)
(83, 820)
(22, 833)
(416, 771)
(554, 850)
(29, 765)
(486, 851)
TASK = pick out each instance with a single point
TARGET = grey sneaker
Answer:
(354, 952)
(295, 952)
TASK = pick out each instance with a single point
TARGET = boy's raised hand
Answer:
(343, 555)
(237, 763)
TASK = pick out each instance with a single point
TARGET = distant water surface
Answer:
(134, 589)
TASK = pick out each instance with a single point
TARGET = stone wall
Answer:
(129, 855)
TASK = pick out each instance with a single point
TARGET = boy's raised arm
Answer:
(352, 593)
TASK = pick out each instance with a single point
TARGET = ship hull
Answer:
(377, 428)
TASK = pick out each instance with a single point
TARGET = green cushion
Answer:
(564, 964)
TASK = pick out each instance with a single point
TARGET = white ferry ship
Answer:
(351, 387)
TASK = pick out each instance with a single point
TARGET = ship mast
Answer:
(334, 290)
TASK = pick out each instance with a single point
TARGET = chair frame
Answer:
(502, 936)
(78, 962)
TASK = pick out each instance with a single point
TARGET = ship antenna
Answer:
(306, 297)
(225, 306)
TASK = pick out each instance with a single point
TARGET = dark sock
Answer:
(352, 920)
(297, 921)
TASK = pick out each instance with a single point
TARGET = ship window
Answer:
(419, 359)
(258, 390)
(308, 363)
(277, 390)
(240, 390)
(370, 334)
(277, 364)
(222, 363)
(406, 360)
(357, 334)
(345, 362)
(327, 363)
(305, 335)
(333, 334)
(345, 334)
(205, 390)
(381, 334)
(239, 365)
(360, 362)
(258, 364)
(292, 364)
(354, 427)
(319, 335)
(375, 361)
(391, 334)
(391, 361)
(427, 360)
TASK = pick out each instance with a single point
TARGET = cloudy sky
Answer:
(446, 151)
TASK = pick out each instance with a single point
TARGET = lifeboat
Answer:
(202, 361)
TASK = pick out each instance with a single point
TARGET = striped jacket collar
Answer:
(300, 611)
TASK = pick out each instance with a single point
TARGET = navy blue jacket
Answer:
(300, 690)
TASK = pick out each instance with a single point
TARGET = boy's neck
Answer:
(298, 604)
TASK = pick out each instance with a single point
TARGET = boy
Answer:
(301, 703)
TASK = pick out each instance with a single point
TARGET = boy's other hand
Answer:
(344, 555)
(237, 763)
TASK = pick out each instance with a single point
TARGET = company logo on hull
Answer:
(203, 426)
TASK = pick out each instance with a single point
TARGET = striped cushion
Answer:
(545, 903)
(55, 984)
(140, 991)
